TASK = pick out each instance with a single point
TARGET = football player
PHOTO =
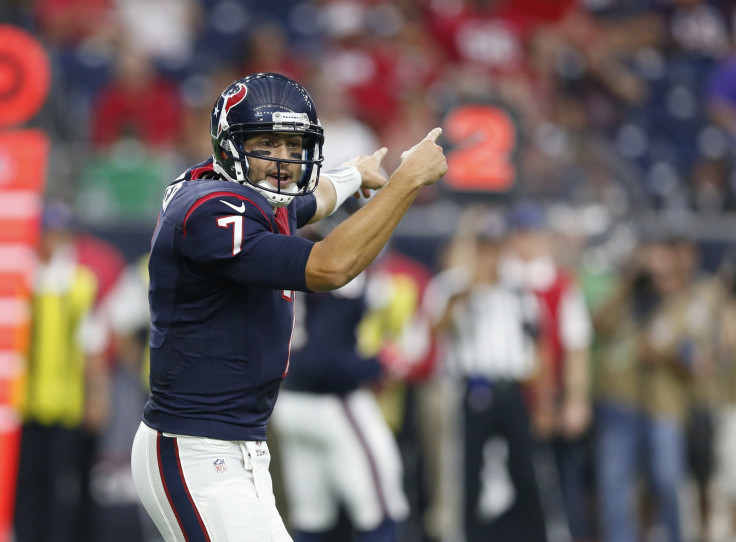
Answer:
(337, 450)
(224, 266)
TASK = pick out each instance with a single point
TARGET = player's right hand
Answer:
(425, 160)
(370, 171)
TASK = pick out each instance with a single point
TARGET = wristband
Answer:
(346, 180)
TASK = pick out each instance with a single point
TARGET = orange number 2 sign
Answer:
(484, 138)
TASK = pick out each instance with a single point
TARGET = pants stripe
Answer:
(177, 492)
(368, 454)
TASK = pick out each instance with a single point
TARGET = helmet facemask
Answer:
(231, 158)
(237, 168)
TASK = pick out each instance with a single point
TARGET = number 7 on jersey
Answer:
(237, 223)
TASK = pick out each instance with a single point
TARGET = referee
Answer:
(491, 330)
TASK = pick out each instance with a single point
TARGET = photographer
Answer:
(644, 376)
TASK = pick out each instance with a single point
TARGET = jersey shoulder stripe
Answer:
(203, 170)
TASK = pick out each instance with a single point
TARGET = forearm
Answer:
(576, 377)
(356, 242)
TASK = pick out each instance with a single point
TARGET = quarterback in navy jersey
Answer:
(224, 268)
(222, 256)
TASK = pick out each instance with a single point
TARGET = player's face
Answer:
(274, 145)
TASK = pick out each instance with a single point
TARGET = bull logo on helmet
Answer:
(231, 98)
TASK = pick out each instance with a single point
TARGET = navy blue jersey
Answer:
(327, 359)
(223, 268)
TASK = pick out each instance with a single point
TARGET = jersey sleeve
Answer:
(576, 328)
(306, 206)
(231, 236)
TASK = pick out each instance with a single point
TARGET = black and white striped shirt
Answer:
(494, 334)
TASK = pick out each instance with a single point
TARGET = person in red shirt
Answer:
(138, 102)
(562, 402)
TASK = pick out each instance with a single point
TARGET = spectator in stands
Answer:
(138, 103)
(67, 23)
(163, 30)
(348, 135)
(699, 28)
(267, 49)
(359, 61)
(720, 95)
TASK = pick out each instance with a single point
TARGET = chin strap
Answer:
(346, 180)
(281, 199)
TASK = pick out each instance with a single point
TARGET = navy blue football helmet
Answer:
(266, 102)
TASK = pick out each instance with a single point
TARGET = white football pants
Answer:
(212, 490)
(338, 450)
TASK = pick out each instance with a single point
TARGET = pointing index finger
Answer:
(434, 134)
(380, 153)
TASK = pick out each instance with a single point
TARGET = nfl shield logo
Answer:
(219, 465)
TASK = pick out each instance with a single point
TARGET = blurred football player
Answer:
(224, 266)
(336, 448)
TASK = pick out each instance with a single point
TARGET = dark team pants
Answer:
(498, 410)
(52, 498)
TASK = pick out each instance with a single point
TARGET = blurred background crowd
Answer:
(592, 155)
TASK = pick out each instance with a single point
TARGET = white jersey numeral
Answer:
(170, 193)
(237, 223)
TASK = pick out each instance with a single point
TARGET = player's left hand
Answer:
(370, 171)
